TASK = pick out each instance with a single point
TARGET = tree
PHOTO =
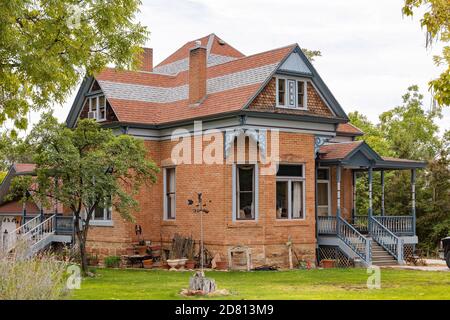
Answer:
(46, 47)
(311, 54)
(436, 21)
(86, 168)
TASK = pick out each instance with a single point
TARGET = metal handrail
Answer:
(43, 230)
(387, 239)
(8, 242)
(355, 240)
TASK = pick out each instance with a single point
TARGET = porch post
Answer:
(354, 196)
(370, 198)
(316, 200)
(24, 211)
(413, 198)
(338, 188)
(382, 192)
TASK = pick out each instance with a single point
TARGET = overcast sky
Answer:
(371, 54)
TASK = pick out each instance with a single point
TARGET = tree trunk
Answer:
(82, 247)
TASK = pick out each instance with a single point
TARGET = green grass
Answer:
(296, 284)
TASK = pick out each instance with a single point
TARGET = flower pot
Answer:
(221, 265)
(148, 264)
(190, 264)
(141, 250)
(181, 263)
(173, 263)
(327, 263)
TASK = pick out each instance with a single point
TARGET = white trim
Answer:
(165, 198)
(235, 198)
(305, 95)
(290, 180)
(328, 190)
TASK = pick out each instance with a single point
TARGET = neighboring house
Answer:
(272, 103)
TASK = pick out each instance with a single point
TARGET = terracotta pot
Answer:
(141, 250)
(165, 266)
(221, 265)
(327, 263)
(148, 264)
(190, 264)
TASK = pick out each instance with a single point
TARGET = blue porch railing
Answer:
(399, 225)
(63, 224)
(326, 224)
(387, 239)
(355, 240)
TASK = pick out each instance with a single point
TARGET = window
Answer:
(281, 91)
(245, 192)
(97, 107)
(301, 94)
(169, 193)
(291, 93)
(101, 214)
(290, 193)
(323, 192)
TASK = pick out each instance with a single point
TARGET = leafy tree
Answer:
(436, 21)
(2, 175)
(46, 47)
(311, 54)
(86, 168)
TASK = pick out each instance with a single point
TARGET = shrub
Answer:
(41, 277)
(112, 262)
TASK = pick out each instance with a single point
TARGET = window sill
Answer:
(290, 222)
(171, 222)
(292, 108)
(106, 223)
(244, 224)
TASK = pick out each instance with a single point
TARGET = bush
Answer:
(41, 277)
(112, 262)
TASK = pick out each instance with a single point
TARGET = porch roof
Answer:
(359, 155)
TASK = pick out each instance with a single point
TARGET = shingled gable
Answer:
(155, 99)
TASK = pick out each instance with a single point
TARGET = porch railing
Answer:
(8, 241)
(387, 239)
(326, 224)
(399, 225)
(64, 225)
(355, 240)
(361, 223)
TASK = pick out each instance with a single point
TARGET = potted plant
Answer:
(140, 249)
(92, 259)
(112, 262)
(221, 265)
(148, 264)
(327, 263)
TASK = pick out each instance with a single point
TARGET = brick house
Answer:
(266, 143)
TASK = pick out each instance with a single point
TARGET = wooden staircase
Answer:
(380, 257)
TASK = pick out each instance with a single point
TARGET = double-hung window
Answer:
(245, 192)
(169, 193)
(102, 215)
(97, 107)
(323, 192)
(290, 192)
(291, 93)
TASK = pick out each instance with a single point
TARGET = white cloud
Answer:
(371, 54)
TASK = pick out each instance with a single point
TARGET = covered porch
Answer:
(340, 221)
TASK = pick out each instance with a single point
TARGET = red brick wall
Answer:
(266, 237)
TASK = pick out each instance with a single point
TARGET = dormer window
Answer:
(97, 107)
(291, 93)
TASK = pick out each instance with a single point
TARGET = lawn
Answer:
(296, 284)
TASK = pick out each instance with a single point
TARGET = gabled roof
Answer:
(14, 170)
(161, 97)
(359, 154)
(348, 129)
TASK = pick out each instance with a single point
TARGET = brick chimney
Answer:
(197, 73)
(147, 60)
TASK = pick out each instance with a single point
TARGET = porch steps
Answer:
(380, 257)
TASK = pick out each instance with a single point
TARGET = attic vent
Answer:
(221, 42)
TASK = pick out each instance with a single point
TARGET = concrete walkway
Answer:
(432, 265)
